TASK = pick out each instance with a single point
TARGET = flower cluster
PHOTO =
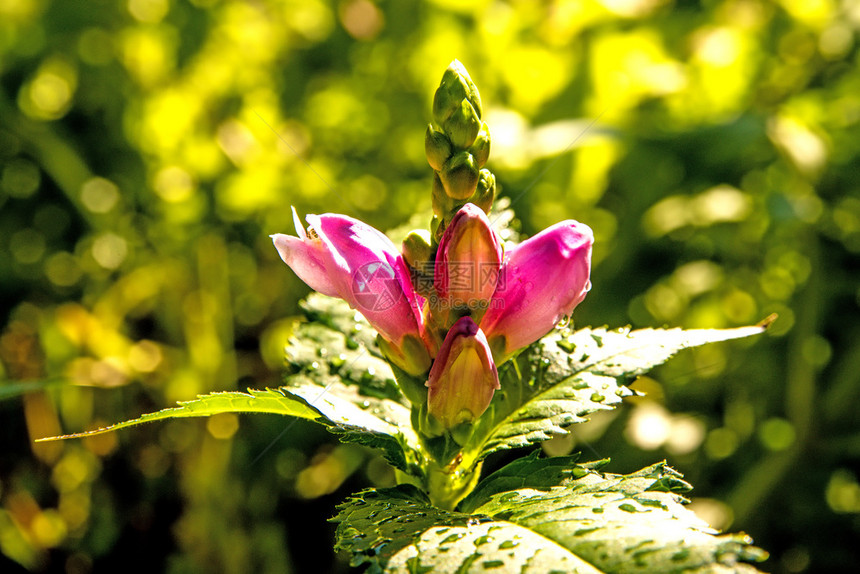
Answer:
(456, 302)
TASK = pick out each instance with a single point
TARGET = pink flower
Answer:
(467, 264)
(542, 280)
(463, 377)
(342, 257)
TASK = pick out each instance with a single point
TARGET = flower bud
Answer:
(485, 193)
(481, 146)
(417, 249)
(460, 176)
(456, 85)
(467, 264)
(437, 147)
(542, 280)
(463, 377)
(418, 254)
(463, 125)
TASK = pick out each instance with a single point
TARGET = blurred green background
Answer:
(148, 147)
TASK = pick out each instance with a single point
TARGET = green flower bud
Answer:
(463, 125)
(471, 89)
(460, 176)
(456, 85)
(417, 249)
(481, 147)
(437, 147)
(485, 193)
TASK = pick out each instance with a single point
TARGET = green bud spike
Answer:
(457, 147)
(481, 147)
(463, 125)
(460, 176)
(456, 85)
(417, 249)
(437, 146)
(485, 194)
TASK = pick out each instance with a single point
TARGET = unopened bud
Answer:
(463, 378)
(456, 85)
(416, 248)
(460, 176)
(462, 125)
(481, 146)
(467, 264)
(485, 193)
(437, 147)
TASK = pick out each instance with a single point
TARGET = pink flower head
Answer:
(463, 377)
(342, 257)
(541, 281)
(467, 263)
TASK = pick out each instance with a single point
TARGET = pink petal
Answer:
(542, 280)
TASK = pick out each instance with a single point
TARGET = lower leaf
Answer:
(542, 515)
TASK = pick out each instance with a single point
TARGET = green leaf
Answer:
(374, 422)
(275, 401)
(338, 379)
(566, 376)
(542, 515)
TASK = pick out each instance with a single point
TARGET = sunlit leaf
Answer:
(374, 422)
(542, 515)
(566, 376)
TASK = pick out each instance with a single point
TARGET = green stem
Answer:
(450, 484)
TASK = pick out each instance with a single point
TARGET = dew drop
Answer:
(563, 323)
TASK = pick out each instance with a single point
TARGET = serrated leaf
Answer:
(275, 401)
(562, 518)
(338, 380)
(375, 422)
(566, 376)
